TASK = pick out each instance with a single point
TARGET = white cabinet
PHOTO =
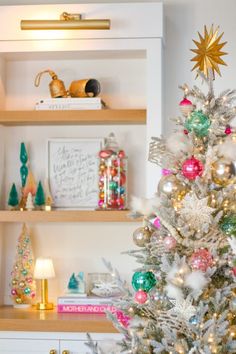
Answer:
(28, 346)
(41, 343)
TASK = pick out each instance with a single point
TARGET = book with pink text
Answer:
(86, 308)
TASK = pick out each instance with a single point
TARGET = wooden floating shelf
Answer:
(50, 321)
(81, 117)
(66, 216)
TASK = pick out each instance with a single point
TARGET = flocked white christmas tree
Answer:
(184, 298)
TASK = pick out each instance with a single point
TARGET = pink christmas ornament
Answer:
(228, 130)
(186, 107)
(122, 318)
(157, 223)
(234, 271)
(141, 296)
(170, 242)
(104, 154)
(166, 172)
(192, 168)
(121, 154)
(13, 292)
(201, 260)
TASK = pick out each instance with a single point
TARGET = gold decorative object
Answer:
(171, 187)
(223, 172)
(56, 86)
(84, 88)
(208, 52)
(67, 21)
(44, 270)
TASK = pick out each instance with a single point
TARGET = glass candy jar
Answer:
(112, 176)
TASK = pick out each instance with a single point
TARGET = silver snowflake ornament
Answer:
(184, 309)
(196, 211)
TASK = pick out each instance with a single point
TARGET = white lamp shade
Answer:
(44, 269)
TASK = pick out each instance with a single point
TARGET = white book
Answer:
(72, 300)
(71, 100)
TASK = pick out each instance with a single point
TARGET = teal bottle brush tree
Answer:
(23, 174)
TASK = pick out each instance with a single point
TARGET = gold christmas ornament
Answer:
(208, 52)
(141, 236)
(223, 172)
(171, 186)
(232, 332)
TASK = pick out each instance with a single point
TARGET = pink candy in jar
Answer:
(112, 176)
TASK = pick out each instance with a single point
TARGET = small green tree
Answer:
(39, 197)
(13, 196)
(73, 283)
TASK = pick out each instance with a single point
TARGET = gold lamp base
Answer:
(44, 306)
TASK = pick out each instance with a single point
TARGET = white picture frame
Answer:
(72, 171)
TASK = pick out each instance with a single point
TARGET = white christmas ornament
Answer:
(144, 206)
(232, 242)
(227, 149)
(174, 292)
(196, 280)
(196, 211)
(178, 143)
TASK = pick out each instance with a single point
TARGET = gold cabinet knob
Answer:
(53, 351)
(65, 352)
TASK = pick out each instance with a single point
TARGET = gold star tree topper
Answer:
(208, 52)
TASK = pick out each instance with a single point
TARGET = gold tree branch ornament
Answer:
(208, 52)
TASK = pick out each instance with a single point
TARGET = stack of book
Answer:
(73, 304)
(69, 104)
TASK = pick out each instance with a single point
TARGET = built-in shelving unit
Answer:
(66, 216)
(50, 321)
(87, 117)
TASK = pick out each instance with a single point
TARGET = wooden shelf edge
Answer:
(66, 216)
(81, 117)
(32, 320)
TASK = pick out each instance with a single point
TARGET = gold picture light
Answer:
(67, 22)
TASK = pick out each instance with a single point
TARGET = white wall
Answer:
(183, 19)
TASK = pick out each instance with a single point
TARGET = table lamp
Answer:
(44, 270)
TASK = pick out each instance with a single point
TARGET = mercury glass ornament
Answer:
(198, 123)
(232, 332)
(194, 320)
(141, 296)
(186, 107)
(192, 168)
(233, 304)
(141, 236)
(170, 186)
(144, 281)
(201, 260)
(228, 225)
(223, 172)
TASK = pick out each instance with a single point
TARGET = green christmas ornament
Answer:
(13, 196)
(143, 280)
(198, 123)
(24, 168)
(39, 197)
(23, 154)
(228, 225)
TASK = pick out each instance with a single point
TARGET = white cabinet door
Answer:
(73, 347)
(30, 346)
(107, 342)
